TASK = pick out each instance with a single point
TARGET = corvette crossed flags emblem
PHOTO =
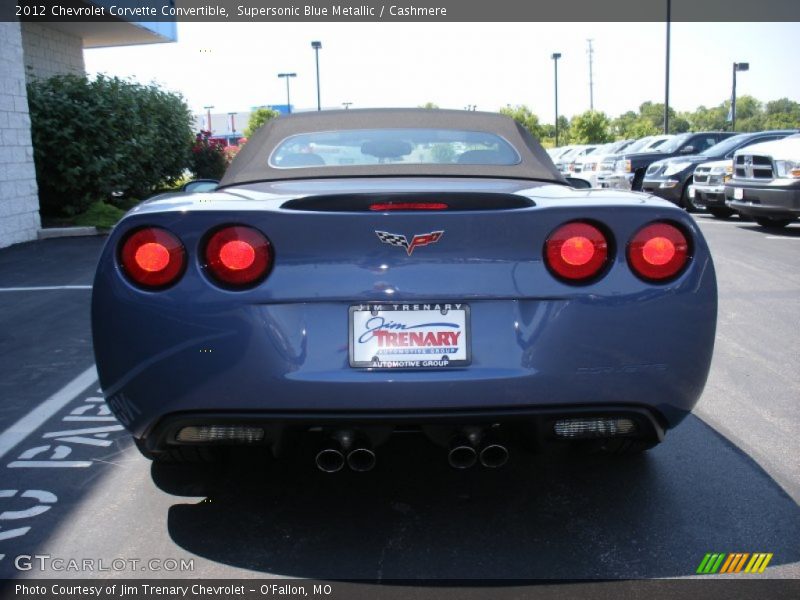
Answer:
(421, 239)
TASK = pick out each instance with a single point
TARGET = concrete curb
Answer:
(62, 232)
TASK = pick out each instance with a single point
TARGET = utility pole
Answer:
(591, 78)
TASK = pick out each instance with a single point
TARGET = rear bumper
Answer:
(280, 428)
(651, 349)
(777, 202)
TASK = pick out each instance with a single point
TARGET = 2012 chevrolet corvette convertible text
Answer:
(360, 273)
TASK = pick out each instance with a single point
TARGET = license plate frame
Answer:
(459, 312)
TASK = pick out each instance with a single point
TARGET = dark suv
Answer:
(681, 145)
(670, 178)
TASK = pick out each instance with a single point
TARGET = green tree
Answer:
(525, 117)
(709, 119)
(622, 126)
(429, 105)
(96, 137)
(591, 127)
(782, 114)
(259, 117)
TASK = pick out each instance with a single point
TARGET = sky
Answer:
(234, 66)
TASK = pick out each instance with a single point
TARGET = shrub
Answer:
(208, 157)
(95, 137)
(100, 215)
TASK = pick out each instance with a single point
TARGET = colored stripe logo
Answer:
(734, 562)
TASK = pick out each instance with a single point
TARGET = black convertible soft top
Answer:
(252, 163)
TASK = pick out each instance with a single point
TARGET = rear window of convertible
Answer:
(392, 146)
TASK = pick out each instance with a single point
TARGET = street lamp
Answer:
(736, 67)
(346, 105)
(666, 70)
(286, 76)
(316, 46)
(555, 57)
(208, 109)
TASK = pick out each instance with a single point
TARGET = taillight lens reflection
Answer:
(576, 251)
(153, 258)
(658, 252)
(238, 256)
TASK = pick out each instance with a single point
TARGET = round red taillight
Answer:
(152, 257)
(658, 252)
(576, 251)
(238, 256)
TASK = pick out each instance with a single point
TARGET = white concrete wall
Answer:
(19, 200)
(51, 52)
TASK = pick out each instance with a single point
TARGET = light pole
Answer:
(555, 57)
(208, 113)
(286, 76)
(316, 46)
(736, 67)
(346, 105)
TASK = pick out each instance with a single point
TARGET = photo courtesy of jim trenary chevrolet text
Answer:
(415, 299)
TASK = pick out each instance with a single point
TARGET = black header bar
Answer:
(431, 11)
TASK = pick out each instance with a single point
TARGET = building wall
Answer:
(51, 52)
(19, 201)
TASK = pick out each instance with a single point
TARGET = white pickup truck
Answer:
(766, 182)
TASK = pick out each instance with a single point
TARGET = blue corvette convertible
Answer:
(361, 273)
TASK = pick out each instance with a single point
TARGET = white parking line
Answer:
(35, 418)
(710, 222)
(46, 287)
(782, 237)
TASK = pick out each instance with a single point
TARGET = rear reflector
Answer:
(152, 257)
(593, 428)
(238, 256)
(386, 206)
(221, 433)
(576, 251)
(658, 252)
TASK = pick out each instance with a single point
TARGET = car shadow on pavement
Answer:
(789, 231)
(550, 515)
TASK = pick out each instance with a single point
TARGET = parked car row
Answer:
(755, 174)
(670, 178)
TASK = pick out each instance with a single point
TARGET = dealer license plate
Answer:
(431, 335)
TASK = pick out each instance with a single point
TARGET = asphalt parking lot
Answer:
(727, 480)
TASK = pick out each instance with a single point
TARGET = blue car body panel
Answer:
(283, 345)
